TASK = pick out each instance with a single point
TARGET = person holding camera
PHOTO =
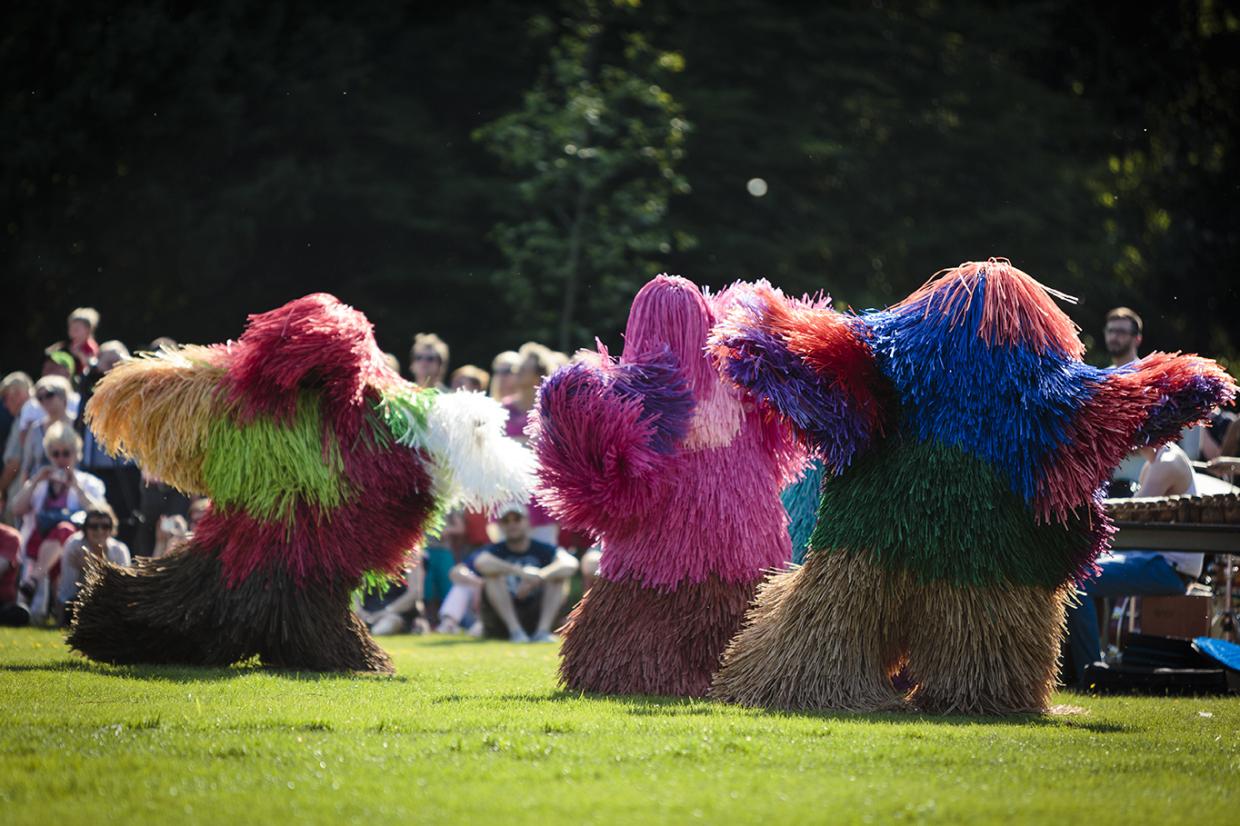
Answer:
(46, 504)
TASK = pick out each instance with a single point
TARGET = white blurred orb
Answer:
(756, 187)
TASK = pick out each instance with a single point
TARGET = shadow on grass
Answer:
(191, 673)
(658, 706)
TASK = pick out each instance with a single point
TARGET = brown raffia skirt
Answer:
(178, 610)
(624, 638)
(831, 634)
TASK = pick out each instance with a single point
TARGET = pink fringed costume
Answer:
(324, 469)
(659, 458)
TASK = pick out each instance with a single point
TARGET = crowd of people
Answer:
(512, 577)
(64, 497)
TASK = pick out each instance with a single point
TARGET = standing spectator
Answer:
(1123, 335)
(525, 582)
(537, 362)
(121, 476)
(15, 393)
(428, 361)
(470, 377)
(504, 375)
(97, 539)
(83, 322)
(12, 612)
(47, 502)
(57, 361)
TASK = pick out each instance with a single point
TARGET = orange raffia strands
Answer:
(831, 344)
(1016, 309)
(158, 410)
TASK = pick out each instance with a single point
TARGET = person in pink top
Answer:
(680, 480)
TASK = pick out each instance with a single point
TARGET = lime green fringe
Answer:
(265, 467)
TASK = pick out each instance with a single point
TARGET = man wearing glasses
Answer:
(1123, 335)
(525, 582)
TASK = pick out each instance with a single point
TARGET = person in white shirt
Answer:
(97, 539)
(1167, 472)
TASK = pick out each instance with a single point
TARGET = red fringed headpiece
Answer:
(312, 341)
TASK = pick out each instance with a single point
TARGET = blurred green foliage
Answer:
(179, 167)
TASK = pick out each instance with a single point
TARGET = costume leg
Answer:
(823, 636)
(983, 650)
(178, 610)
(625, 638)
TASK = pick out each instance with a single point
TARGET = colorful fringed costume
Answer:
(801, 500)
(324, 468)
(659, 458)
(965, 443)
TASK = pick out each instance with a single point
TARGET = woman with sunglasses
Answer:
(46, 504)
(98, 540)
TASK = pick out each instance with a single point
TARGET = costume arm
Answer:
(808, 364)
(601, 431)
(1144, 403)
(159, 410)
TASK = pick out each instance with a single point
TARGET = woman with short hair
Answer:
(46, 504)
(97, 539)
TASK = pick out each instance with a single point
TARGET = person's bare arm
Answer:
(9, 473)
(1164, 479)
(462, 575)
(21, 502)
(563, 566)
(488, 564)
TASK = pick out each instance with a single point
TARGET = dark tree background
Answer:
(179, 165)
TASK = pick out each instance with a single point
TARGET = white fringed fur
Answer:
(475, 465)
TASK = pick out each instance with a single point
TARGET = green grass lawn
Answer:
(471, 732)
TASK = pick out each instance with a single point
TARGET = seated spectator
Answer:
(83, 322)
(461, 607)
(97, 539)
(391, 361)
(441, 554)
(53, 395)
(15, 393)
(525, 582)
(47, 503)
(12, 612)
(504, 375)
(428, 361)
(156, 500)
(198, 508)
(402, 610)
(470, 377)
(171, 530)
(1167, 472)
